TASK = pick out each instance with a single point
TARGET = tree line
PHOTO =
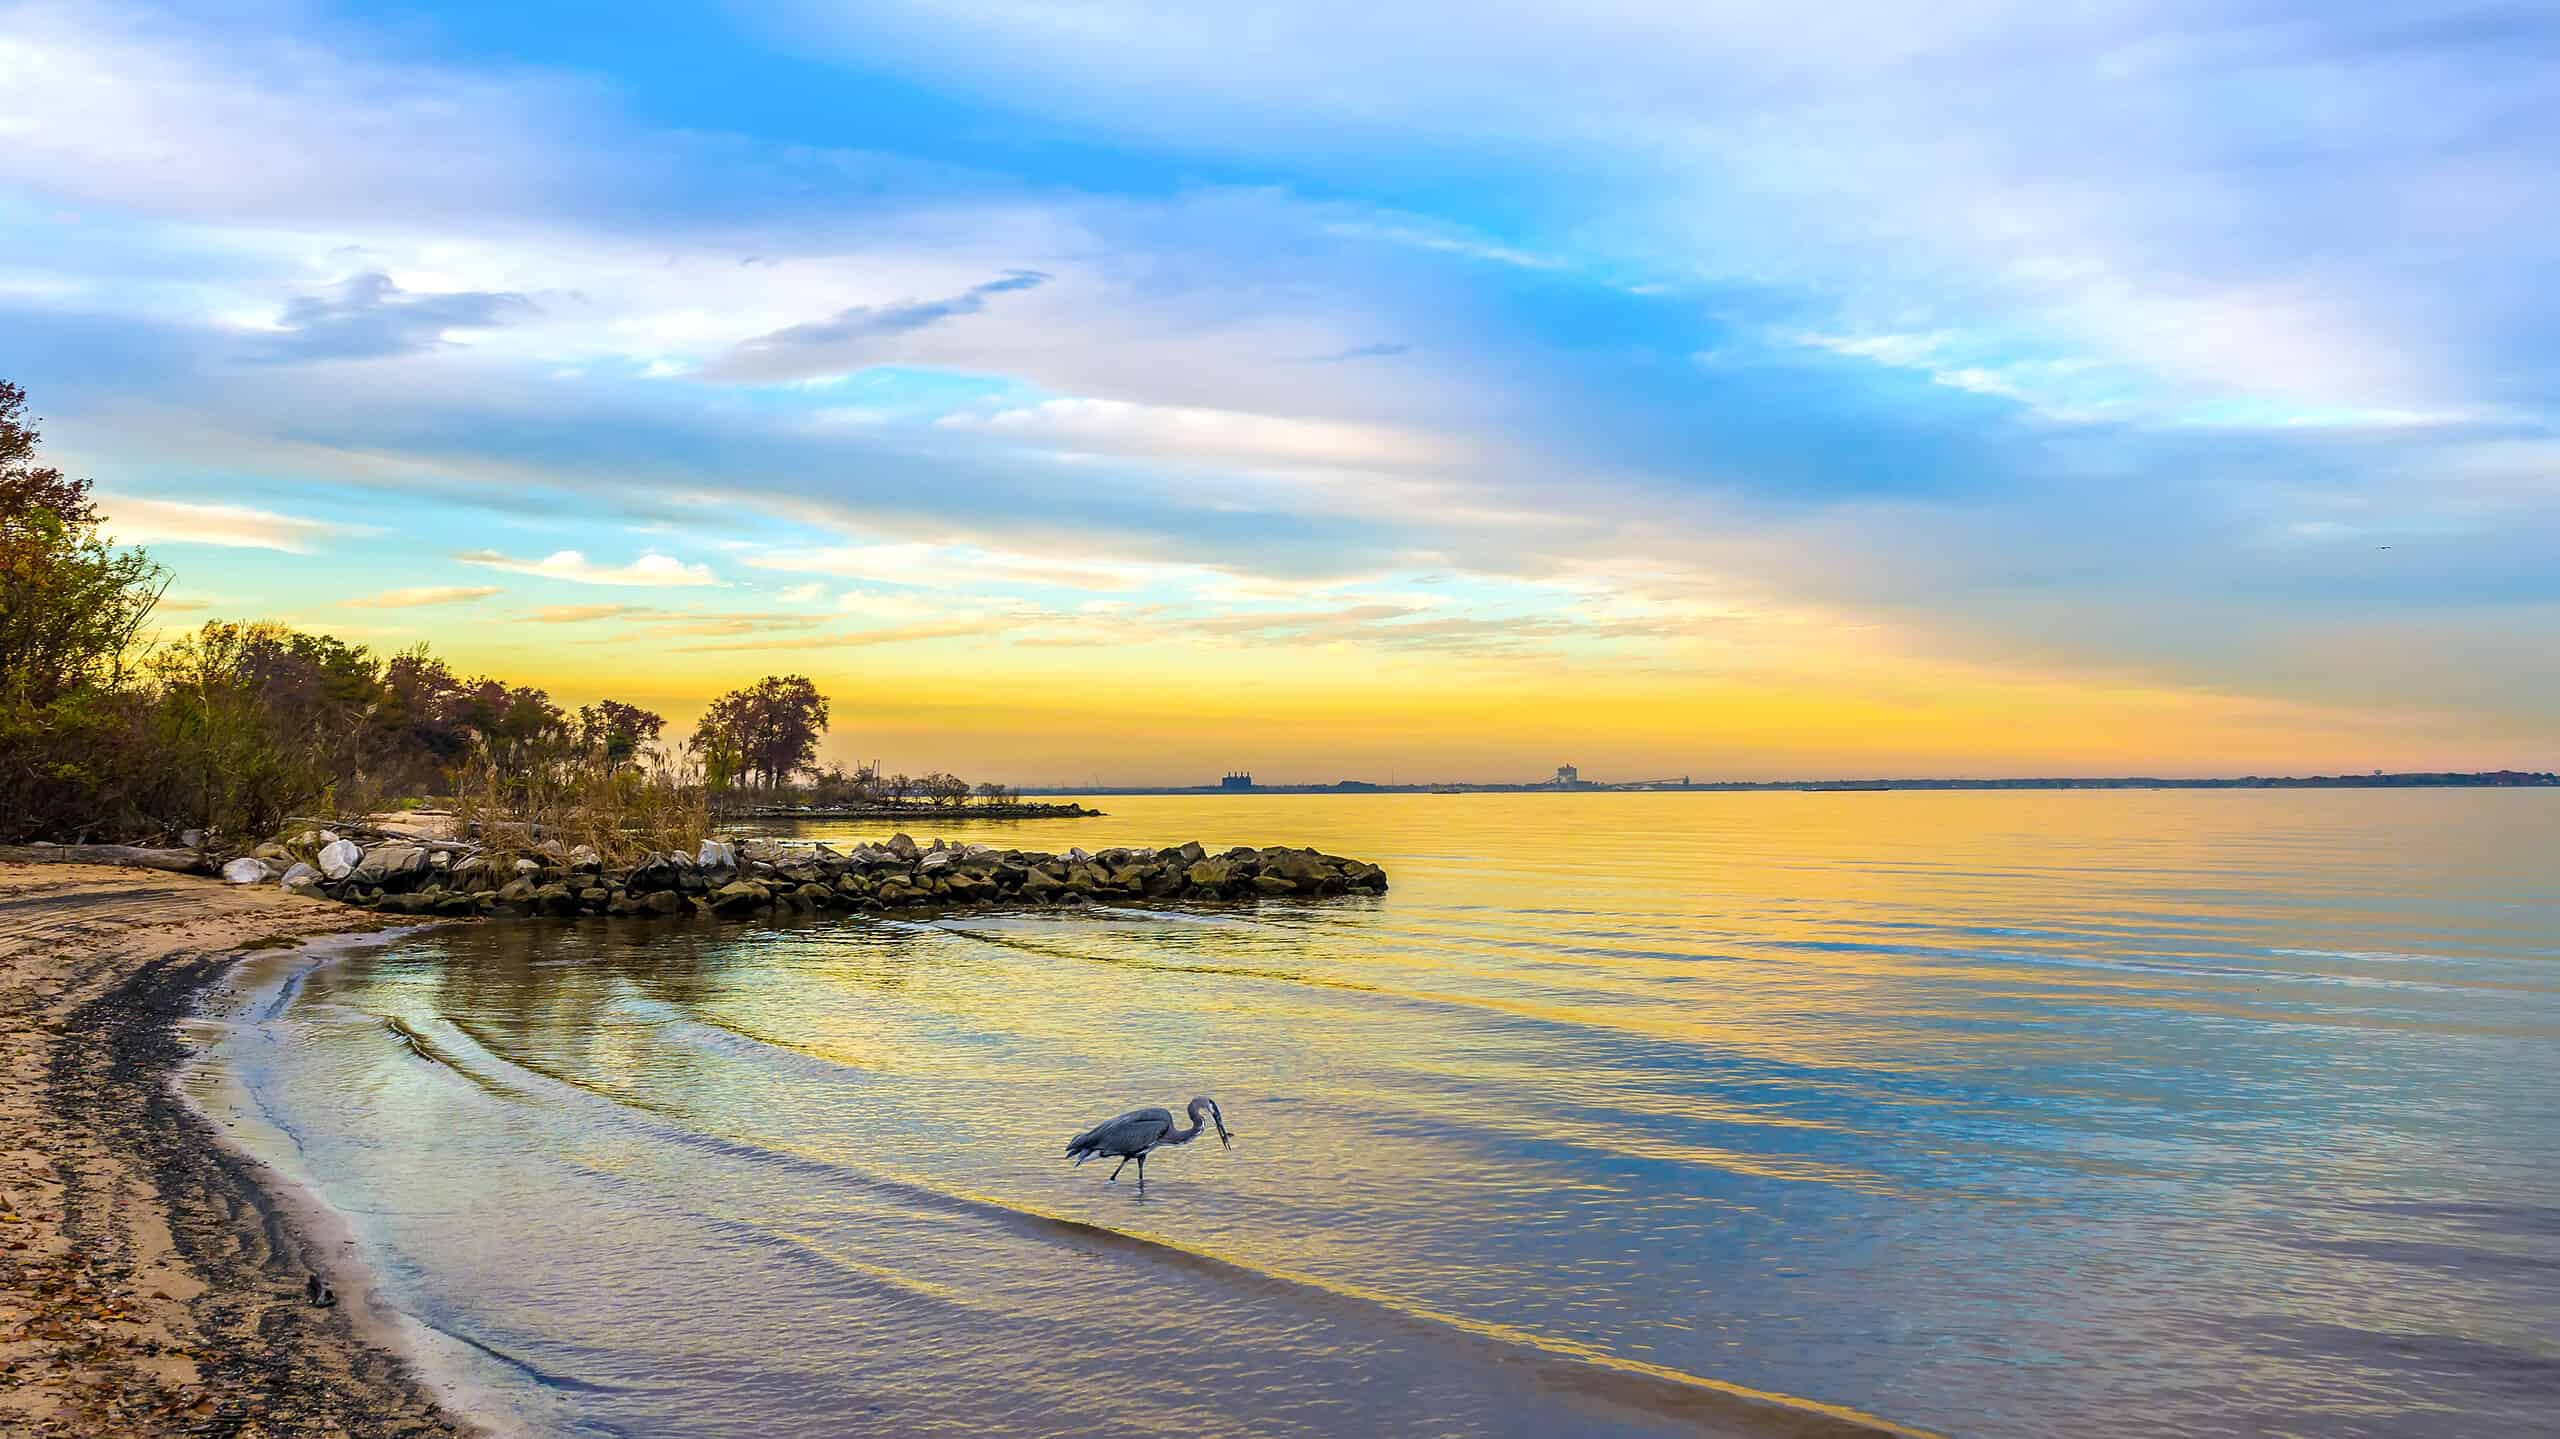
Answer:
(234, 727)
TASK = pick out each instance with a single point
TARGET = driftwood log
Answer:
(176, 861)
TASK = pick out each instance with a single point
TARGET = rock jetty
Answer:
(764, 876)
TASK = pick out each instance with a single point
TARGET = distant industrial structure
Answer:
(1236, 779)
(1567, 776)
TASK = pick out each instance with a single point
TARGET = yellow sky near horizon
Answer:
(1184, 712)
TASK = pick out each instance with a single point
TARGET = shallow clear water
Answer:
(2000, 1114)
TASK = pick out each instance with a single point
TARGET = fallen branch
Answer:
(176, 861)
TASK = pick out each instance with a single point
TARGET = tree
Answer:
(768, 730)
(514, 723)
(991, 793)
(899, 787)
(72, 606)
(616, 730)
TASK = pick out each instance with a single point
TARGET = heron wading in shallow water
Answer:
(1141, 1131)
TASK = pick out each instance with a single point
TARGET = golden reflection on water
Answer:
(1999, 1113)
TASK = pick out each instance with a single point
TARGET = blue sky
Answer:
(1876, 387)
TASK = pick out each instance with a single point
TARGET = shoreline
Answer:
(151, 1271)
(152, 1260)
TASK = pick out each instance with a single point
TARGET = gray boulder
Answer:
(301, 879)
(386, 863)
(339, 858)
(247, 869)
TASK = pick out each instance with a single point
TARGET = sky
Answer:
(1127, 391)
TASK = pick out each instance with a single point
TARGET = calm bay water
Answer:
(1995, 1114)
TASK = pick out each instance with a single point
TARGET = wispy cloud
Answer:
(857, 639)
(584, 614)
(136, 520)
(840, 341)
(1360, 352)
(648, 570)
(421, 595)
(1196, 432)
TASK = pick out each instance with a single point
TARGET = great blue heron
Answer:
(1134, 1134)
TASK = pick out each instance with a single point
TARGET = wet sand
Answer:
(152, 1278)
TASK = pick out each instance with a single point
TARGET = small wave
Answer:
(427, 1049)
(1564, 1364)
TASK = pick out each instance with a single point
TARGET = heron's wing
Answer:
(1133, 1130)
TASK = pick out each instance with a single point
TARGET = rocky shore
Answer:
(758, 876)
(897, 813)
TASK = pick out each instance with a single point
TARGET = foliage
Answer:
(766, 732)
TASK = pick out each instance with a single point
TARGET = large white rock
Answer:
(584, 857)
(715, 854)
(247, 869)
(339, 858)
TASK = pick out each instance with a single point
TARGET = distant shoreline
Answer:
(2475, 779)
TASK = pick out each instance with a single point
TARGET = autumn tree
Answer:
(72, 606)
(616, 730)
(767, 731)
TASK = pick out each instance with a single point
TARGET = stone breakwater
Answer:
(761, 876)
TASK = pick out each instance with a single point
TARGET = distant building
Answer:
(1236, 779)
(1567, 776)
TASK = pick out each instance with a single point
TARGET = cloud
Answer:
(368, 316)
(1195, 432)
(570, 565)
(412, 598)
(930, 566)
(137, 521)
(858, 639)
(1360, 352)
(215, 114)
(840, 342)
(585, 614)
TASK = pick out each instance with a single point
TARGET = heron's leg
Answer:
(1123, 1164)
(1142, 1174)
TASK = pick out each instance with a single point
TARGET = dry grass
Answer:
(624, 811)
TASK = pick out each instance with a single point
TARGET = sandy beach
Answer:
(151, 1280)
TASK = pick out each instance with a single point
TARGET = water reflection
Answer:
(1993, 1113)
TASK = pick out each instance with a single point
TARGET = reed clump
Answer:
(569, 795)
